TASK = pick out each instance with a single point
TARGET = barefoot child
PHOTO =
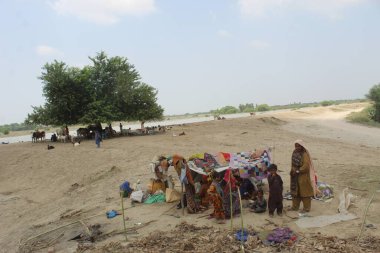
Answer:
(275, 191)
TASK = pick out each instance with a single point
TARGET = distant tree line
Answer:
(110, 89)
(250, 107)
(5, 129)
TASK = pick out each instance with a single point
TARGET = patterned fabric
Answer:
(217, 202)
(249, 166)
(192, 205)
(297, 158)
(227, 203)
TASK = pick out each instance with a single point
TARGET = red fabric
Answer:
(227, 156)
(227, 176)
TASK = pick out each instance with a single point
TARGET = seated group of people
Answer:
(218, 189)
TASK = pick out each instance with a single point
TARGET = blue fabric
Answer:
(125, 187)
(183, 177)
(111, 214)
(241, 236)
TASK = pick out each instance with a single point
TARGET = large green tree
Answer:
(374, 95)
(108, 90)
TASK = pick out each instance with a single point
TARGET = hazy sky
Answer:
(199, 54)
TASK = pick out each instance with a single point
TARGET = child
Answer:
(275, 191)
(260, 204)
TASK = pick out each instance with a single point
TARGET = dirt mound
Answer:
(272, 121)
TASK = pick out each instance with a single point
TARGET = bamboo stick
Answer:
(364, 218)
(122, 208)
(242, 222)
(231, 209)
(182, 200)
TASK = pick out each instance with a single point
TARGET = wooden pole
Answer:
(364, 218)
(122, 208)
(182, 201)
(242, 222)
(231, 209)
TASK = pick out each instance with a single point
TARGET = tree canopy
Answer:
(248, 107)
(110, 89)
(374, 95)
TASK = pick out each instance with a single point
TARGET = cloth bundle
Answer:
(280, 235)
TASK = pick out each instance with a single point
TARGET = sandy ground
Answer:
(43, 189)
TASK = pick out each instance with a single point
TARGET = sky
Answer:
(200, 55)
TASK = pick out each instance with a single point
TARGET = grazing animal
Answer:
(38, 135)
(63, 134)
(183, 133)
(252, 113)
(50, 147)
(83, 132)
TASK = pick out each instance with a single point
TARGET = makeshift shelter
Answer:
(250, 166)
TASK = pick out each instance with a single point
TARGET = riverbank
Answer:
(42, 189)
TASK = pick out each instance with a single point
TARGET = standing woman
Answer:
(302, 177)
(184, 174)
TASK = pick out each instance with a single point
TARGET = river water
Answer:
(28, 138)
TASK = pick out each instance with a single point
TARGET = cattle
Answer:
(83, 132)
(252, 113)
(63, 134)
(38, 135)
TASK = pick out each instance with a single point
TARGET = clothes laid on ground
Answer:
(275, 193)
(324, 220)
(155, 198)
(242, 235)
(111, 214)
(281, 235)
(137, 196)
(324, 192)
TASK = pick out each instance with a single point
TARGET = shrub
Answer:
(327, 103)
(263, 108)
(374, 95)
(363, 117)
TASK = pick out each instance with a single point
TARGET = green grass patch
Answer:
(363, 117)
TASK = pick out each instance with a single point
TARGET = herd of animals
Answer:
(63, 135)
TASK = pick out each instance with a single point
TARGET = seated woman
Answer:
(260, 204)
(246, 188)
